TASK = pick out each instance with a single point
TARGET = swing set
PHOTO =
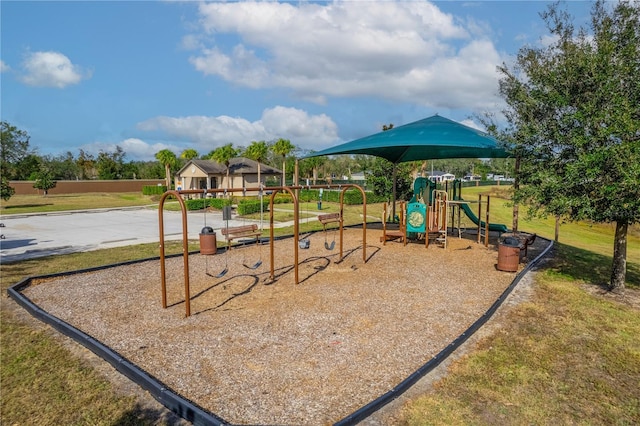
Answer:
(232, 233)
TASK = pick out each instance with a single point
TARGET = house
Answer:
(437, 176)
(471, 178)
(358, 176)
(208, 174)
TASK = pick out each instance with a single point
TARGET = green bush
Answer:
(219, 203)
(201, 203)
(280, 198)
(250, 206)
(154, 190)
(195, 204)
(351, 197)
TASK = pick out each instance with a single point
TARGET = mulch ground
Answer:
(263, 351)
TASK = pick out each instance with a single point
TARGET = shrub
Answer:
(351, 196)
(252, 206)
(201, 203)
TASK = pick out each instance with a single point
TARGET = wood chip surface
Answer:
(262, 351)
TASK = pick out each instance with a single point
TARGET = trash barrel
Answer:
(208, 243)
(509, 254)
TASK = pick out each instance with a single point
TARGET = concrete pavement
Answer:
(36, 235)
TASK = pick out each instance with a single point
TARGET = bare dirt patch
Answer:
(629, 297)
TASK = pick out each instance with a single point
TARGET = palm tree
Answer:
(168, 159)
(258, 152)
(283, 147)
(189, 154)
(315, 163)
(223, 155)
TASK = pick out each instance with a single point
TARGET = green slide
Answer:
(492, 226)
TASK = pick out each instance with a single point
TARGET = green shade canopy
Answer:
(434, 137)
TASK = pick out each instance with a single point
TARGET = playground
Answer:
(263, 346)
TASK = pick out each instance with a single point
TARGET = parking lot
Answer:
(37, 235)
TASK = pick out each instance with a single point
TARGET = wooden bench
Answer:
(325, 219)
(238, 232)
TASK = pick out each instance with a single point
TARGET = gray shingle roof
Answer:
(237, 166)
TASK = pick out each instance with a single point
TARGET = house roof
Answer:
(242, 165)
(237, 166)
(438, 173)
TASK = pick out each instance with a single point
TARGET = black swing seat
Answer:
(254, 266)
(221, 273)
(326, 219)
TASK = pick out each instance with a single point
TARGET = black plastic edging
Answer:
(367, 410)
(181, 406)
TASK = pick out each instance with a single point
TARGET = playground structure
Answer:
(432, 214)
(233, 233)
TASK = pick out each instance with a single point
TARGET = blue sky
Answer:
(150, 75)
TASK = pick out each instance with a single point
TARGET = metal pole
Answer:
(516, 187)
(271, 248)
(163, 277)
(486, 224)
(395, 176)
(479, 217)
(185, 249)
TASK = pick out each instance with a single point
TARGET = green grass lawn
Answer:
(567, 356)
(42, 383)
(593, 237)
(20, 204)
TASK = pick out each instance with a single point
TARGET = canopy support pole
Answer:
(395, 176)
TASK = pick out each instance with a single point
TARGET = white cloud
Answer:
(4, 67)
(470, 123)
(208, 133)
(51, 69)
(400, 51)
(191, 42)
(134, 149)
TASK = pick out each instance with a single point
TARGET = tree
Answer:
(63, 166)
(573, 115)
(223, 155)
(43, 179)
(26, 166)
(363, 162)
(6, 191)
(380, 178)
(14, 147)
(283, 147)
(189, 154)
(257, 151)
(312, 164)
(86, 163)
(110, 164)
(150, 170)
(130, 170)
(168, 159)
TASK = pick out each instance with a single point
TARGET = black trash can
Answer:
(509, 255)
(208, 241)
